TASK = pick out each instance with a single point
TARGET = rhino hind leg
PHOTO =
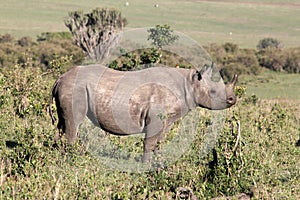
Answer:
(60, 126)
(71, 115)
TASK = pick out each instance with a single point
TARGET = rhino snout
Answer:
(231, 100)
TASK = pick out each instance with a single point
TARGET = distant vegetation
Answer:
(272, 56)
(229, 57)
(38, 53)
(162, 35)
(269, 54)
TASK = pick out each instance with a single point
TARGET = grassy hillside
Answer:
(260, 157)
(238, 21)
(273, 85)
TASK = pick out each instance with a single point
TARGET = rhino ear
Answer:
(197, 76)
(206, 71)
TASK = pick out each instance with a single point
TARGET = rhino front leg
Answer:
(154, 134)
(150, 145)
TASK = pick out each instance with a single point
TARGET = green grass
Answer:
(264, 161)
(205, 21)
(273, 85)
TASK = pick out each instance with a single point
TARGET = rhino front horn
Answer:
(234, 80)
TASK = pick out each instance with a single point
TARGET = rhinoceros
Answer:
(147, 101)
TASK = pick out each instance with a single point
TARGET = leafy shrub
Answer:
(7, 38)
(248, 59)
(26, 52)
(232, 60)
(47, 36)
(230, 47)
(240, 91)
(292, 62)
(129, 61)
(144, 58)
(268, 43)
(25, 42)
(22, 88)
(150, 56)
(162, 35)
(271, 58)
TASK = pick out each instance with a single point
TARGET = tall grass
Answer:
(257, 153)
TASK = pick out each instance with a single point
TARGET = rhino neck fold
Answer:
(189, 96)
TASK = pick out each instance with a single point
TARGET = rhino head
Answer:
(210, 91)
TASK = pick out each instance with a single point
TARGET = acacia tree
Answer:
(162, 35)
(96, 32)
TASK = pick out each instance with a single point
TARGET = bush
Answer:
(26, 52)
(144, 58)
(280, 59)
(271, 58)
(268, 43)
(7, 38)
(47, 36)
(232, 60)
(292, 62)
(25, 42)
(230, 48)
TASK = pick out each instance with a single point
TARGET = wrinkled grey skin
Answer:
(147, 101)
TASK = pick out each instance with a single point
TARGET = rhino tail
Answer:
(53, 96)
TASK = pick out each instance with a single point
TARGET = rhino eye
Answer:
(213, 93)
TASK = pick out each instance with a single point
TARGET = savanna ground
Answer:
(262, 159)
(205, 21)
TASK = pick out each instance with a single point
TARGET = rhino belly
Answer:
(117, 121)
(112, 108)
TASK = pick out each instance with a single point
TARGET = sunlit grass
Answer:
(273, 85)
(241, 22)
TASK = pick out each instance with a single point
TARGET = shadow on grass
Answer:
(11, 144)
(298, 143)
